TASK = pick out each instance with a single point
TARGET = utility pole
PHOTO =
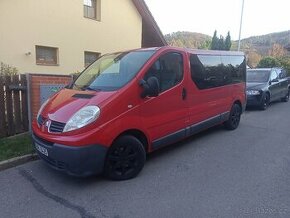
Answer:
(241, 22)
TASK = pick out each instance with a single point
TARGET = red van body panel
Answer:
(122, 106)
(62, 105)
(176, 113)
(169, 112)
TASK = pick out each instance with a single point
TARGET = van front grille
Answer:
(56, 126)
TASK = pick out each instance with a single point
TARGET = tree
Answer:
(277, 50)
(214, 42)
(276, 62)
(285, 63)
(205, 45)
(5, 69)
(221, 43)
(253, 58)
(228, 42)
(269, 62)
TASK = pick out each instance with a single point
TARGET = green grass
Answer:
(15, 146)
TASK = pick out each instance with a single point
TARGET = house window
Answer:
(46, 55)
(90, 57)
(92, 9)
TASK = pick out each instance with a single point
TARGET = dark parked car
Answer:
(288, 78)
(265, 85)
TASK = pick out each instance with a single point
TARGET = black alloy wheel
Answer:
(235, 117)
(125, 158)
(265, 102)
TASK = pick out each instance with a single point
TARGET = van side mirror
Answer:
(150, 87)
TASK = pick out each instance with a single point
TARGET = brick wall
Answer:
(35, 81)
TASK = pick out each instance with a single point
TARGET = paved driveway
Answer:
(219, 173)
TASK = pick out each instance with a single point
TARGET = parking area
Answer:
(218, 173)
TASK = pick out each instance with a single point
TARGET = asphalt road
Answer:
(219, 173)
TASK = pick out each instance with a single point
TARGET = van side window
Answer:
(210, 71)
(168, 69)
(205, 71)
(234, 65)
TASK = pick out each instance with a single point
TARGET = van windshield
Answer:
(258, 76)
(112, 71)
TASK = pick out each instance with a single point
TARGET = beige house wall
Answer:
(61, 23)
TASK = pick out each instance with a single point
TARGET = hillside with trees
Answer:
(257, 48)
(262, 44)
(188, 40)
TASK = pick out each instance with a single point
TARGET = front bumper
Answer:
(254, 100)
(78, 161)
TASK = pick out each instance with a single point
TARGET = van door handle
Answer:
(184, 94)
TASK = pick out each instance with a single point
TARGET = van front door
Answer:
(164, 117)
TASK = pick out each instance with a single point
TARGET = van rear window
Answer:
(209, 71)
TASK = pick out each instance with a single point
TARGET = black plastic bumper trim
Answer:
(190, 130)
(77, 161)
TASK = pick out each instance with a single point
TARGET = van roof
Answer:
(194, 51)
(214, 52)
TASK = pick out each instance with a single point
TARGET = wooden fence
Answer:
(13, 105)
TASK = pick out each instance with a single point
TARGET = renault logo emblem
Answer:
(47, 123)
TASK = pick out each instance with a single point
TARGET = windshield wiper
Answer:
(87, 87)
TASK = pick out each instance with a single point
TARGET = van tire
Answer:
(125, 158)
(234, 118)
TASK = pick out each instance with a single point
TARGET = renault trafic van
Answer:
(128, 104)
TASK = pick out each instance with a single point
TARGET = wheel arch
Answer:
(138, 134)
(238, 102)
(267, 92)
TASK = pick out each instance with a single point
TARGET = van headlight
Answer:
(83, 117)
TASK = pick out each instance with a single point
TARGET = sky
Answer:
(205, 16)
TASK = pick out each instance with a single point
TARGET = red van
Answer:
(131, 103)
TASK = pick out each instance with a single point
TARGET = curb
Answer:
(13, 162)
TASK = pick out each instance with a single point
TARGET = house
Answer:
(62, 37)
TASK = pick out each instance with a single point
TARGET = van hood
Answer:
(256, 86)
(63, 105)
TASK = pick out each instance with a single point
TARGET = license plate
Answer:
(41, 149)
